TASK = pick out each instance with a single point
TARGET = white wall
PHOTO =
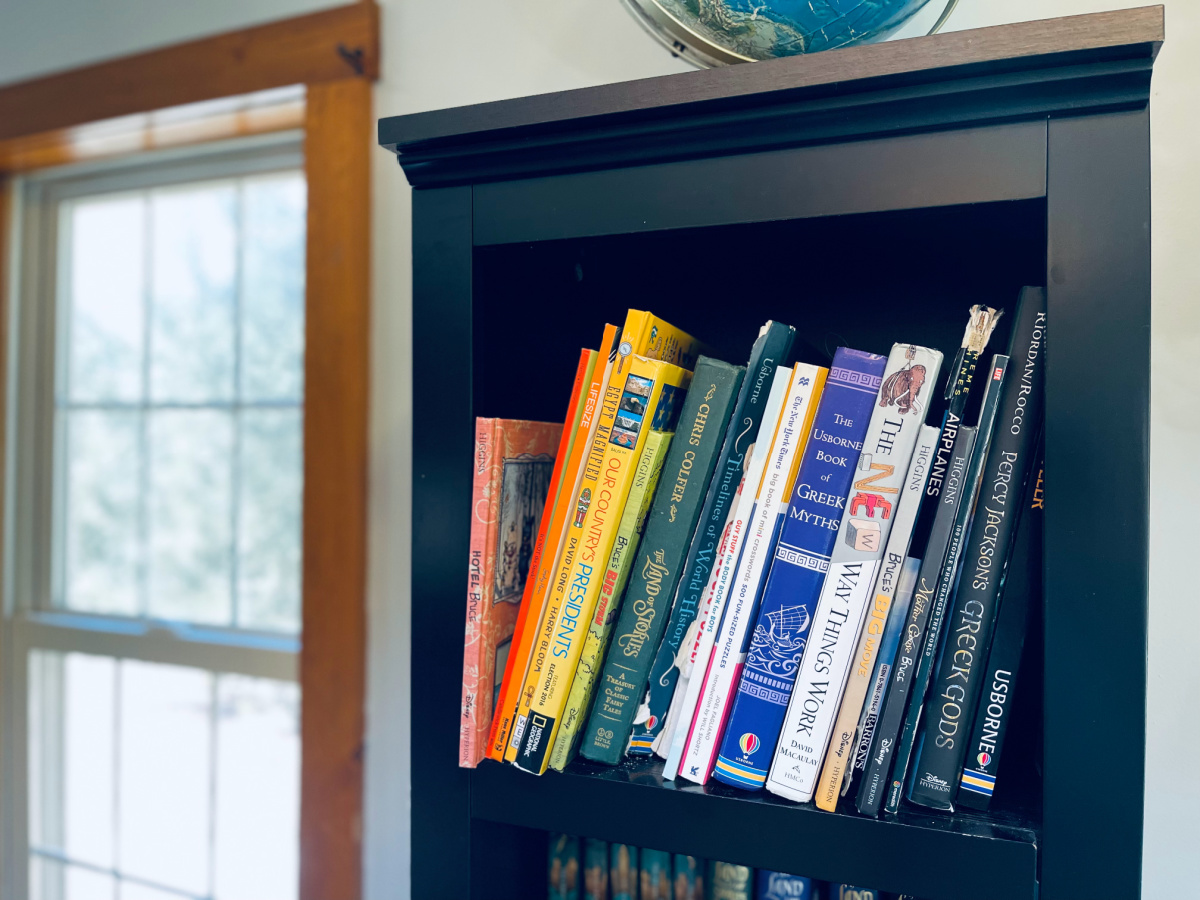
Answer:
(441, 53)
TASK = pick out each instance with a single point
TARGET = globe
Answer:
(715, 32)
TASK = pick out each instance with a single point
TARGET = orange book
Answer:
(518, 662)
(644, 335)
(583, 375)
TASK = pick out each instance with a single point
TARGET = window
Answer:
(154, 502)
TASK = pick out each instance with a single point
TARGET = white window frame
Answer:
(30, 621)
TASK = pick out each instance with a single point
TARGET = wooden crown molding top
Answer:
(330, 45)
(1101, 60)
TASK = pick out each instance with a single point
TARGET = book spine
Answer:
(840, 755)
(655, 572)
(757, 453)
(729, 654)
(884, 662)
(563, 871)
(1022, 589)
(981, 322)
(730, 882)
(532, 652)
(683, 704)
(781, 886)
(485, 490)
(689, 878)
(769, 350)
(595, 869)
(623, 868)
(656, 875)
(888, 448)
(955, 693)
(874, 785)
(947, 579)
(798, 570)
(646, 399)
(505, 701)
(697, 463)
(643, 335)
(612, 588)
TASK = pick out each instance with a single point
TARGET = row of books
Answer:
(774, 575)
(588, 869)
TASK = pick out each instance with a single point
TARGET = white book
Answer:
(685, 660)
(840, 756)
(769, 507)
(757, 455)
(909, 378)
(756, 465)
(694, 651)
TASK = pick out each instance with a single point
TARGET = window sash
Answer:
(30, 621)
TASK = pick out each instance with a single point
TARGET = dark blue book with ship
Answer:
(798, 570)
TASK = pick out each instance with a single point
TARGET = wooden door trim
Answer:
(330, 45)
(335, 54)
(336, 372)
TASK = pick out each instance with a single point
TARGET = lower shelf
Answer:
(934, 857)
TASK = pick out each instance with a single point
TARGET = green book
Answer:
(633, 519)
(656, 567)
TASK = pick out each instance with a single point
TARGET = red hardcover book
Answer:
(513, 471)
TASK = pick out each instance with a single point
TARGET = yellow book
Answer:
(645, 399)
(633, 520)
(642, 335)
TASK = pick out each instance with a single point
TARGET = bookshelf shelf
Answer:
(864, 195)
(984, 859)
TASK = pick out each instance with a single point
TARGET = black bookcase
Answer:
(865, 196)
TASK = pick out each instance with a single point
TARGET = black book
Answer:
(873, 788)
(947, 581)
(1021, 592)
(955, 694)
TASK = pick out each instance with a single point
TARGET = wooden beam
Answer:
(175, 127)
(332, 661)
(331, 45)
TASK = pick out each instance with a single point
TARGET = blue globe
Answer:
(728, 31)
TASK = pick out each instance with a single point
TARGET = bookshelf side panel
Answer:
(443, 429)
(1097, 514)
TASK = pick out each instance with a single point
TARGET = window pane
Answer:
(269, 494)
(131, 891)
(128, 774)
(192, 313)
(53, 880)
(105, 279)
(258, 771)
(273, 230)
(190, 522)
(101, 506)
(166, 766)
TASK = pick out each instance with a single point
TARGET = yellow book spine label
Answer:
(633, 520)
(648, 398)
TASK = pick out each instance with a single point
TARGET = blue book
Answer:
(781, 886)
(798, 571)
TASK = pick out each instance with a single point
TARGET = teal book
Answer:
(699, 436)
(623, 871)
(656, 875)
(595, 869)
(689, 878)
(563, 875)
(770, 350)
